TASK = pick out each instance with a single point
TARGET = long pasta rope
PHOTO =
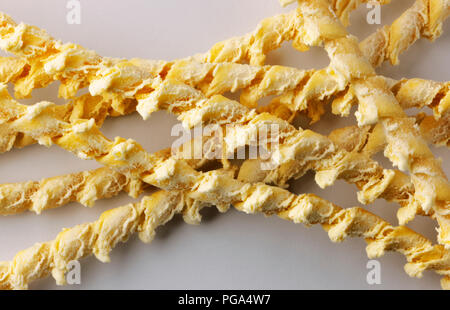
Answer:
(256, 82)
(89, 186)
(117, 225)
(83, 107)
(371, 139)
(166, 98)
(98, 238)
(299, 150)
(259, 82)
(84, 187)
(423, 19)
(410, 93)
(54, 57)
(100, 83)
(81, 56)
(405, 147)
(427, 169)
(90, 61)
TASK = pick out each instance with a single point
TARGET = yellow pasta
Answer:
(118, 224)
(74, 59)
(83, 187)
(424, 18)
(405, 147)
(192, 89)
(329, 162)
(99, 237)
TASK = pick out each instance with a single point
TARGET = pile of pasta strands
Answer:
(194, 90)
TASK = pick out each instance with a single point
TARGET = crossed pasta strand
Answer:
(118, 224)
(322, 157)
(77, 124)
(158, 175)
(126, 77)
(43, 44)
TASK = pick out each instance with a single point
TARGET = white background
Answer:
(227, 251)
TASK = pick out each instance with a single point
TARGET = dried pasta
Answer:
(193, 89)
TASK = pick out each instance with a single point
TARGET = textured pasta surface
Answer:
(194, 89)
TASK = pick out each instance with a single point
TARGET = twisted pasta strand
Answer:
(371, 139)
(300, 87)
(74, 66)
(424, 18)
(98, 238)
(128, 150)
(89, 186)
(118, 224)
(83, 187)
(410, 93)
(190, 117)
(77, 67)
(299, 150)
(405, 147)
